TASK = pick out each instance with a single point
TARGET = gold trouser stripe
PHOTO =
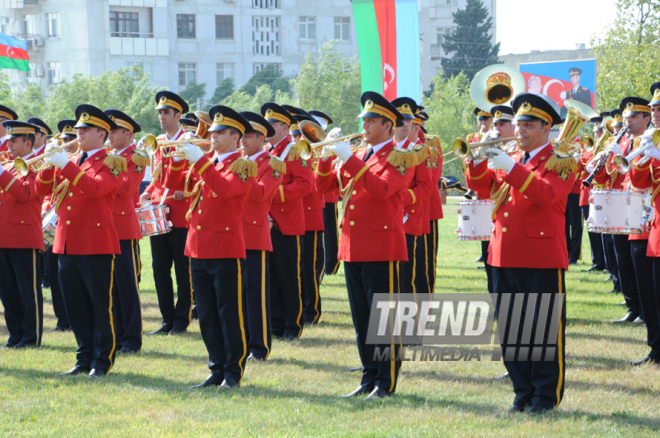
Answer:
(240, 314)
(299, 288)
(414, 267)
(264, 310)
(191, 289)
(560, 346)
(139, 258)
(36, 297)
(426, 260)
(137, 284)
(392, 363)
(112, 320)
(316, 280)
(435, 254)
(322, 274)
(334, 271)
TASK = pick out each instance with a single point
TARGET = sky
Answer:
(526, 25)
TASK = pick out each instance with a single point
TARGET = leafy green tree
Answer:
(28, 100)
(627, 56)
(223, 90)
(5, 91)
(468, 47)
(269, 75)
(192, 92)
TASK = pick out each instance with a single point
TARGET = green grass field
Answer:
(296, 391)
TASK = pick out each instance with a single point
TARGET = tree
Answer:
(627, 57)
(223, 90)
(470, 42)
(270, 75)
(192, 92)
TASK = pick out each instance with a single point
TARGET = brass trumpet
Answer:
(23, 166)
(314, 136)
(623, 163)
(151, 145)
(462, 148)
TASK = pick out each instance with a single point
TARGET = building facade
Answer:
(204, 41)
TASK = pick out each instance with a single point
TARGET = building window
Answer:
(54, 72)
(187, 73)
(144, 66)
(441, 34)
(224, 27)
(451, 2)
(266, 4)
(4, 25)
(53, 21)
(266, 36)
(342, 24)
(185, 26)
(225, 71)
(124, 24)
(307, 28)
(260, 66)
(29, 26)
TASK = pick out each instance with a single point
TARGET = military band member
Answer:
(5, 114)
(169, 248)
(330, 212)
(528, 246)
(215, 242)
(288, 227)
(373, 242)
(128, 315)
(40, 137)
(21, 239)
(86, 240)
(645, 174)
(189, 124)
(484, 121)
(256, 232)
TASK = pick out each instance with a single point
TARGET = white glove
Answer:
(652, 152)
(51, 145)
(58, 159)
(191, 152)
(342, 150)
(325, 152)
(648, 134)
(493, 134)
(334, 133)
(2, 170)
(187, 136)
(615, 149)
(500, 160)
(577, 157)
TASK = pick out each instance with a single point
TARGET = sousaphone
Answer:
(496, 84)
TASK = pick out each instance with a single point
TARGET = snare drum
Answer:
(474, 222)
(49, 225)
(615, 212)
(649, 212)
(153, 219)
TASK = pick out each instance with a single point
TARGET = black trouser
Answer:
(221, 297)
(610, 260)
(126, 293)
(534, 382)
(363, 280)
(86, 281)
(596, 242)
(286, 284)
(331, 237)
(414, 272)
(489, 269)
(432, 249)
(165, 249)
(136, 245)
(573, 225)
(643, 268)
(313, 267)
(45, 273)
(651, 305)
(626, 272)
(257, 298)
(20, 292)
(55, 291)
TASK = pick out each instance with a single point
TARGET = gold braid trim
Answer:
(244, 165)
(346, 193)
(293, 153)
(157, 172)
(500, 197)
(422, 152)
(433, 141)
(140, 158)
(196, 193)
(61, 192)
(561, 146)
(115, 162)
(277, 164)
(651, 171)
(402, 157)
(435, 153)
(560, 162)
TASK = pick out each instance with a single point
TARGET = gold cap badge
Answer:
(84, 117)
(369, 104)
(218, 118)
(163, 100)
(526, 107)
(269, 112)
(630, 106)
(498, 114)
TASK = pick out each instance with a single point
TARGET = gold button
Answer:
(68, 222)
(123, 212)
(69, 207)
(541, 233)
(199, 211)
(282, 209)
(504, 230)
(352, 223)
(21, 221)
(70, 194)
(352, 207)
(98, 225)
(385, 227)
(506, 214)
(165, 166)
(510, 198)
(500, 179)
(355, 192)
(227, 229)
(199, 227)
(412, 211)
(255, 222)
(201, 198)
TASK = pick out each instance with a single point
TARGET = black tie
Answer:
(82, 158)
(525, 158)
(215, 161)
(369, 153)
(270, 147)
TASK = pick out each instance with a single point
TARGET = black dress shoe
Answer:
(378, 394)
(96, 373)
(8, 345)
(647, 359)
(591, 268)
(480, 259)
(177, 331)
(230, 383)
(361, 390)
(75, 371)
(288, 337)
(637, 320)
(622, 303)
(609, 277)
(254, 358)
(538, 409)
(126, 350)
(502, 377)
(572, 263)
(24, 345)
(57, 329)
(612, 291)
(515, 409)
(214, 379)
(163, 330)
(630, 317)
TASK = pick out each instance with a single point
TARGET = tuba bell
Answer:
(203, 125)
(578, 115)
(496, 84)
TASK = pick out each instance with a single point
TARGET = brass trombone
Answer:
(24, 166)
(151, 145)
(315, 138)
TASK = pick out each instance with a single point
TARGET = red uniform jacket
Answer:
(581, 175)
(20, 210)
(214, 230)
(178, 209)
(85, 225)
(372, 228)
(647, 176)
(435, 201)
(287, 209)
(416, 199)
(313, 205)
(125, 217)
(256, 226)
(627, 185)
(529, 225)
(609, 177)
(330, 198)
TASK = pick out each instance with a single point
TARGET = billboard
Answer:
(561, 80)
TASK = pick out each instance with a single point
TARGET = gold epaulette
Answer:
(277, 164)
(293, 152)
(422, 152)
(435, 153)
(561, 162)
(469, 138)
(402, 158)
(116, 164)
(560, 145)
(432, 140)
(140, 158)
(243, 165)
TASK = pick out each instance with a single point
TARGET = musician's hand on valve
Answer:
(342, 150)
(51, 145)
(614, 149)
(334, 133)
(648, 135)
(493, 134)
(58, 159)
(179, 196)
(652, 151)
(500, 160)
(191, 152)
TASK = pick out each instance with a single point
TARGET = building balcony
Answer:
(140, 46)
(17, 4)
(35, 43)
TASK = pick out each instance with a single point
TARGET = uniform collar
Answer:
(178, 133)
(380, 146)
(223, 157)
(255, 156)
(125, 149)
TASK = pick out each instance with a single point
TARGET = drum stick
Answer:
(156, 200)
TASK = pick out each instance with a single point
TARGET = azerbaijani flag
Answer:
(388, 39)
(13, 53)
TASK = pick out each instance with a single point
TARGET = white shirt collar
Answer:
(255, 156)
(533, 153)
(92, 152)
(379, 146)
(222, 157)
(175, 135)
(127, 147)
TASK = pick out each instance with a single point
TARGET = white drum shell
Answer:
(474, 222)
(616, 212)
